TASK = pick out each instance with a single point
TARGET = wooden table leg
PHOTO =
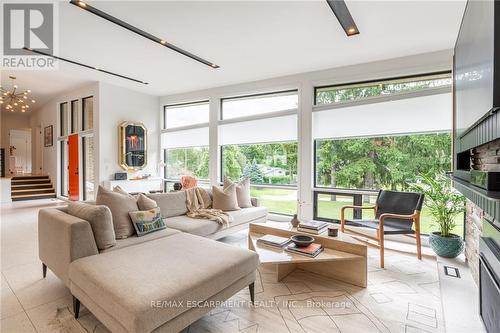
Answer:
(349, 271)
(282, 270)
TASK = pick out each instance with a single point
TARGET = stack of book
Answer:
(311, 250)
(312, 227)
(275, 241)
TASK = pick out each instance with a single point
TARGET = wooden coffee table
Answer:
(342, 258)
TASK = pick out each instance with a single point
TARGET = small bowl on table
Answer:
(302, 240)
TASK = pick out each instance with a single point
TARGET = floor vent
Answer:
(451, 271)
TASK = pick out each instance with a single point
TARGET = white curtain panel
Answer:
(196, 137)
(276, 129)
(418, 114)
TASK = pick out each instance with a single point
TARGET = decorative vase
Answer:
(295, 221)
(448, 247)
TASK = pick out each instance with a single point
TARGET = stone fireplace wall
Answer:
(473, 228)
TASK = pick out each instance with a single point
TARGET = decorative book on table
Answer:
(311, 251)
(311, 231)
(312, 227)
(273, 240)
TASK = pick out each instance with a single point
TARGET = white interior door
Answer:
(20, 141)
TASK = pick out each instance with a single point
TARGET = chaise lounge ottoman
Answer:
(162, 285)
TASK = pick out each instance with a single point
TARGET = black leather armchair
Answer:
(395, 213)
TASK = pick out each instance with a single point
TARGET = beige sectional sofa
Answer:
(130, 287)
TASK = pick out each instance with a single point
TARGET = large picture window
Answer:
(379, 135)
(262, 146)
(184, 141)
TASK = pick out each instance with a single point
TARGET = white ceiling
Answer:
(250, 40)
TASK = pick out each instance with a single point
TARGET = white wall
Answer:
(305, 83)
(117, 105)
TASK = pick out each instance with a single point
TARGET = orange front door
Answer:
(74, 179)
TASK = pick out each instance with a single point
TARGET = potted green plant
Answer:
(444, 204)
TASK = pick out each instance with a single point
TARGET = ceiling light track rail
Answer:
(339, 8)
(140, 32)
(84, 65)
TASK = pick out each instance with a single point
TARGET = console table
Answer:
(136, 185)
(342, 258)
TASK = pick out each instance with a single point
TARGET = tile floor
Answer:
(405, 297)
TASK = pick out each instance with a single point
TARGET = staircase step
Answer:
(33, 191)
(33, 196)
(30, 181)
(31, 186)
(29, 177)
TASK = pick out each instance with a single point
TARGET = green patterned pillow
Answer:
(146, 221)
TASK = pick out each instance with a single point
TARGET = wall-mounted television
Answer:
(476, 72)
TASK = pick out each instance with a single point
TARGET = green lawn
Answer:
(284, 201)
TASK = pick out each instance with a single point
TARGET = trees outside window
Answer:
(271, 163)
(191, 161)
(358, 91)
(389, 162)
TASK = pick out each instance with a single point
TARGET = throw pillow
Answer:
(225, 199)
(242, 192)
(118, 189)
(100, 220)
(146, 221)
(207, 198)
(171, 204)
(145, 203)
(119, 205)
(188, 182)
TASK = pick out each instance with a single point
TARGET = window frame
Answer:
(83, 113)
(63, 121)
(221, 119)
(166, 106)
(74, 127)
(382, 80)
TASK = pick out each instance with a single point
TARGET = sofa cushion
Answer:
(248, 214)
(136, 284)
(120, 205)
(203, 227)
(118, 189)
(134, 240)
(171, 204)
(145, 203)
(225, 199)
(100, 220)
(147, 221)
